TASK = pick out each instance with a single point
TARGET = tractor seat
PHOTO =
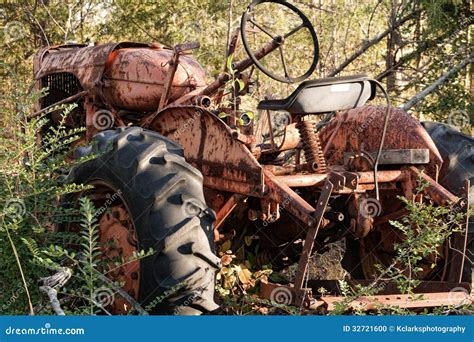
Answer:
(325, 95)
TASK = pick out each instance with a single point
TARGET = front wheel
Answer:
(149, 197)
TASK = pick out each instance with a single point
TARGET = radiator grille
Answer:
(61, 86)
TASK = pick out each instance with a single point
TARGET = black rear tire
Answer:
(164, 197)
(457, 151)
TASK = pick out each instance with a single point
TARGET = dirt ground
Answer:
(323, 266)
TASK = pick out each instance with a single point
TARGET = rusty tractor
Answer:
(178, 177)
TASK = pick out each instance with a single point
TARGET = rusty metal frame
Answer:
(406, 301)
(453, 295)
(227, 209)
(321, 206)
(172, 67)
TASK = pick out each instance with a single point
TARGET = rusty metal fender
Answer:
(209, 145)
(360, 129)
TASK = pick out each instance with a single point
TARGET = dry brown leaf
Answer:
(244, 275)
(226, 259)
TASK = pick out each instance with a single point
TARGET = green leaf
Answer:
(241, 84)
(226, 246)
(223, 115)
(229, 64)
(248, 240)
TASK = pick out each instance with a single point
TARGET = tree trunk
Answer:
(391, 49)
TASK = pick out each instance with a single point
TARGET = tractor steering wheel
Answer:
(280, 40)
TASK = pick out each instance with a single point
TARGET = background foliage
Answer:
(410, 57)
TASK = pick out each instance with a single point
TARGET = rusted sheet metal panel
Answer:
(360, 129)
(135, 78)
(86, 63)
(208, 144)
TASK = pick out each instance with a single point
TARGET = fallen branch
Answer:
(53, 299)
(432, 87)
(50, 286)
